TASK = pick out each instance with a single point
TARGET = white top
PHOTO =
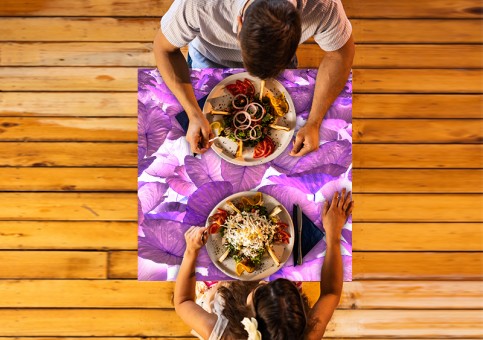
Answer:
(212, 302)
(210, 26)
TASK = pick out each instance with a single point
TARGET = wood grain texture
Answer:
(146, 322)
(68, 235)
(431, 106)
(135, 294)
(420, 156)
(68, 206)
(365, 265)
(68, 154)
(83, 104)
(417, 81)
(417, 131)
(87, 104)
(133, 54)
(417, 181)
(416, 266)
(69, 129)
(135, 29)
(68, 179)
(52, 265)
(354, 8)
(418, 208)
(417, 237)
(125, 79)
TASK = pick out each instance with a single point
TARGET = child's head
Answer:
(280, 310)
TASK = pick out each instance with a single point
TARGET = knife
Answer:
(298, 215)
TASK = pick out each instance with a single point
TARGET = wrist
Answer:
(191, 253)
(194, 112)
(313, 121)
(332, 239)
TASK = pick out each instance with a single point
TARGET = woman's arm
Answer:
(334, 217)
(184, 291)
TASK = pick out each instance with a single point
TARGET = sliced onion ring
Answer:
(242, 118)
(240, 95)
(252, 110)
(242, 139)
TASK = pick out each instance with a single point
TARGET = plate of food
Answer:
(251, 236)
(253, 120)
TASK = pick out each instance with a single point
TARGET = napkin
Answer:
(182, 117)
(311, 235)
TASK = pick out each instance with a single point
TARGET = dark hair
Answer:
(281, 311)
(269, 37)
(235, 296)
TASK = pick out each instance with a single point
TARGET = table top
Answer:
(177, 190)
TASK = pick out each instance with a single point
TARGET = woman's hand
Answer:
(307, 140)
(335, 214)
(199, 133)
(196, 238)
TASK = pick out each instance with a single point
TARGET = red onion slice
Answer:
(235, 133)
(242, 96)
(242, 118)
(253, 109)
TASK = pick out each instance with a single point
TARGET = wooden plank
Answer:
(68, 235)
(419, 266)
(68, 129)
(417, 181)
(417, 131)
(125, 105)
(68, 179)
(68, 154)
(144, 29)
(85, 104)
(430, 236)
(141, 55)
(135, 294)
(125, 79)
(142, 322)
(123, 265)
(417, 81)
(68, 79)
(417, 156)
(68, 206)
(418, 208)
(366, 265)
(52, 265)
(157, 8)
(397, 56)
(417, 106)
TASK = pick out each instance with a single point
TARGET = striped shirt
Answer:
(210, 26)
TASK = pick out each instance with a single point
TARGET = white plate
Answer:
(219, 99)
(267, 267)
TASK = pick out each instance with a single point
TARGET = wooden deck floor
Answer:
(68, 171)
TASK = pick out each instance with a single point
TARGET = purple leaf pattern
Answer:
(177, 190)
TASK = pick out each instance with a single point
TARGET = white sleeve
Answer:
(180, 24)
(335, 29)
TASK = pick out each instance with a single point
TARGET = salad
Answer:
(250, 117)
(248, 230)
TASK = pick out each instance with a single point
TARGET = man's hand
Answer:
(199, 133)
(335, 214)
(307, 140)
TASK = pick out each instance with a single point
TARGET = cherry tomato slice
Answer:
(213, 228)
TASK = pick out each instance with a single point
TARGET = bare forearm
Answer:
(332, 273)
(331, 78)
(186, 281)
(173, 68)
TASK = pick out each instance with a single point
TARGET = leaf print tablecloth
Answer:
(177, 190)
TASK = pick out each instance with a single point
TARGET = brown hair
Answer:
(281, 311)
(269, 37)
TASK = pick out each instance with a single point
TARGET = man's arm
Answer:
(331, 78)
(334, 218)
(184, 291)
(173, 68)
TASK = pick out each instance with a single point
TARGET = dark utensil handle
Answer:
(299, 245)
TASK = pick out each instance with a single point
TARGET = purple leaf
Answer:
(288, 196)
(204, 170)
(151, 271)
(151, 195)
(163, 241)
(153, 127)
(176, 131)
(347, 235)
(143, 164)
(203, 200)
(173, 211)
(243, 178)
(180, 182)
(330, 188)
(338, 152)
(163, 166)
(307, 183)
(140, 213)
(284, 162)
